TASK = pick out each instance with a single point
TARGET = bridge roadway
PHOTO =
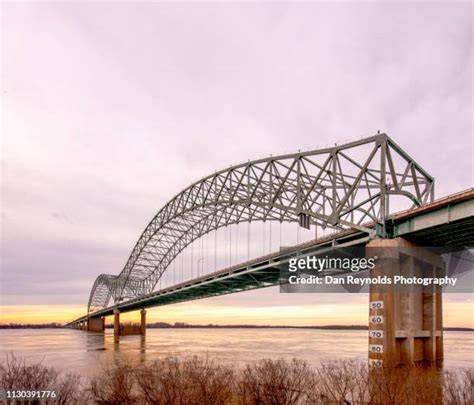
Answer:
(446, 222)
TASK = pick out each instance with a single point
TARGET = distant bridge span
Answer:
(341, 187)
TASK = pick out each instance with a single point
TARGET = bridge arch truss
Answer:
(340, 187)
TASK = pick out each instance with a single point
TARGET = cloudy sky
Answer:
(110, 109)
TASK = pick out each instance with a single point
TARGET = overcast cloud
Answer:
(109, 109)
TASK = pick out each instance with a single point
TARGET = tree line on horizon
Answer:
(184, 325)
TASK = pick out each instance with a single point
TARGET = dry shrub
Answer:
(276, 382)
(405, 385)
(114, 385)
(459, 387)
(191, 380)
(341, 382)
(15, 374)
(197, 380)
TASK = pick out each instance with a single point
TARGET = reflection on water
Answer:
(85, 352)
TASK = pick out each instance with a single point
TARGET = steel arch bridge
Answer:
(341, 187)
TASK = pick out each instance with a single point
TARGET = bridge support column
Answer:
(116, 322)
(95, 324)
(406, 323)
(143, 321)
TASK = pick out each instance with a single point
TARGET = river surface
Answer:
(85, 352)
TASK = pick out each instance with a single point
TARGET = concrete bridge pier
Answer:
(96, 324)
(129, 329)
(143, 322)
(406, 322)
(116, 322)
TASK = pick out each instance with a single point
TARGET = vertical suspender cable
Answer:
(237, 244)
(207, 252)
(248, 241)
(263, 240)
(270, 236)
(202, 255)
(280, 233)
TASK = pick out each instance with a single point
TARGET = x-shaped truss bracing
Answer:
(339, 187)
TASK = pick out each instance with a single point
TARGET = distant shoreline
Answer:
(179, 325)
